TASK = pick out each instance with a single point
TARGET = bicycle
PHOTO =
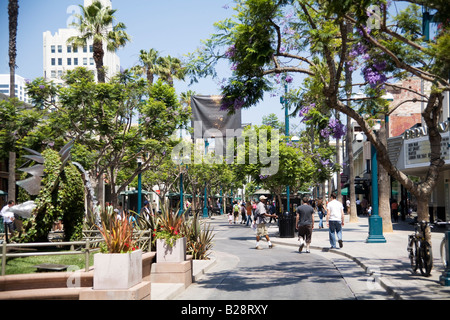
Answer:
(420, 254)
(443, 246)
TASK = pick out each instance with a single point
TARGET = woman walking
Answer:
(321, 212)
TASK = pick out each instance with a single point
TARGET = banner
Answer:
(206, 110)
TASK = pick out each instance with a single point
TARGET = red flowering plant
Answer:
(118, 235)
(168, 228)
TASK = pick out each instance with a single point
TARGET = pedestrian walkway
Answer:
(387, 263)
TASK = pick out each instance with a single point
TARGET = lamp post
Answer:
(139, 203)
(284, 101)
(205, 200)
(375, 221)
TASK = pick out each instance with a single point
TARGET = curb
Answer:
(384, 283)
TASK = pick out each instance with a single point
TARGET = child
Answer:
(230, 217)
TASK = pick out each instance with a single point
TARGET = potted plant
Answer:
(170, 241)
(119, 264)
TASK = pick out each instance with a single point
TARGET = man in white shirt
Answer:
(260, 215)
(8, 216)
(335, 221)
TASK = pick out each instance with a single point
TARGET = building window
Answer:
(53, 49)
(69, 61)
(85, 49)
(60, 49)
(60, 73)
(75, 61)
(69, 49)
(59, 61)
(91, 61)
(84, 61)
(53, 74)
(75, 50)
(53, 61)
(91, 48)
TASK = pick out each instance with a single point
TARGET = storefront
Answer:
(411, 155)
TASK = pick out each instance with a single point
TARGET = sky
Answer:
(172, 27)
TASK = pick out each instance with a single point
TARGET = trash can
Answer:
(287, 225)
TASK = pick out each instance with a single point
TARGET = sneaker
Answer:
(258, 248)
(270, 246)
(307, 251)
(340, 243)
(302, 243)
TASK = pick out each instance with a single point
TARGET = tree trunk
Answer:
(338, 161)
(12, 176)
(423, 213)
(13, 14)
(384, 187)
(98, 58)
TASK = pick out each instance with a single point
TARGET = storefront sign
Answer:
(423, 131)
(418, 151)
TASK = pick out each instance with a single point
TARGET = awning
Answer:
(358, 190)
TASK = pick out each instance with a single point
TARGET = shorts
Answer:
(261, 230)
(305, 232)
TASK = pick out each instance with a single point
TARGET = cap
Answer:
(262, 198)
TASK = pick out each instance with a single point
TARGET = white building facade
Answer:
(20, 84)
(59, 56)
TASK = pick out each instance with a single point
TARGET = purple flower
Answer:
(231, 52)
(325, 162)
(41, 86)
(325, 133)
(289, 79)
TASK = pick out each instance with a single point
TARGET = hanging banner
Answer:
(206, 114)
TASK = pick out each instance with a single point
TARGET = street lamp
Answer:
(284, 100)
(139, 204)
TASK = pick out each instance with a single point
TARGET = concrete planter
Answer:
(113, 271)
(166, 253)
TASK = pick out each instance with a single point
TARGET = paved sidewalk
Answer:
(387, 263)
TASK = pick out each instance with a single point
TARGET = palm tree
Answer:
(185, 98)
(13, 13)
(149, 64)
(96, 24)
(171, 68)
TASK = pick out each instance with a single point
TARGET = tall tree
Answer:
(170, 68)
(13, 14)
(269, 37)
(96, 24)
(100, 117)
(149, 64)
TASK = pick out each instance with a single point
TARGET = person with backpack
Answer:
(235, 211)
(261, 214)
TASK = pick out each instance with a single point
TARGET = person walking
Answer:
(394, 211)
(249, 213)
(335, 221)
(321, 212)
(261, 228)
(305, 224)
(8, 219)
(235, 212)
(243, 213)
